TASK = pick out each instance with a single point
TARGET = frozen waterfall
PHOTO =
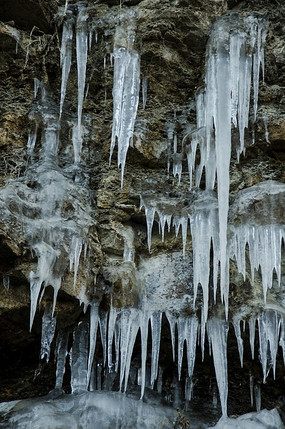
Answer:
(56, 220)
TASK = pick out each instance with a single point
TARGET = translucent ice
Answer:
(81, 55)
(65, 54)
(78, 358)
(48, 330)
(217, 334)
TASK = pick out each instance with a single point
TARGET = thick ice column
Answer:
(217, 334)
(60, 356)
(126, 88)
(65, 55)
(78, 357)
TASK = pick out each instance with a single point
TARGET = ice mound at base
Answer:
(91, 410)
(262, 420)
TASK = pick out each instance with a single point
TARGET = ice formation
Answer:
(264, 246)
(81, 55)
(81, 36)
(48, 331)
(234, 58)
(66, 54)
(52, 238)
(126, 88)
(200, 218)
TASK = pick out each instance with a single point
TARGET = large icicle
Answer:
(217, 334)
(65, 55)
(93, 327)
(81, 55)
(126, 88)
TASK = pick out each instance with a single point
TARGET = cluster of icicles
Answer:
(119, 329)
(126, 78)
(264, 242)
(234, 57)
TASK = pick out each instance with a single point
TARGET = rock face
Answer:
(52, 207)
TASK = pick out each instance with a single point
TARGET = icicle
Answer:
(236, 324)
(183, 222)
(149, 214)
(134, 327)
(268, 328)
(144, 91)
(6, 281)
(144, 321)
(257, 391)
(187, 331)
(217, 333)
(282, 337)
(251, 389)
(74, 255)
(48, 330)
(32, 138)
(37, 84)
(155, 320)
(125, 99)
(47, 257)
(103, 332)
(266, 133)
(265, 243)
(78, 357)
(129, 326)
(65, 55)
(172, 322)
(111, 331)
(188, 389)
(204, 230)
(81, 55)
(60, 354)
(252, 323)
(93, 327)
